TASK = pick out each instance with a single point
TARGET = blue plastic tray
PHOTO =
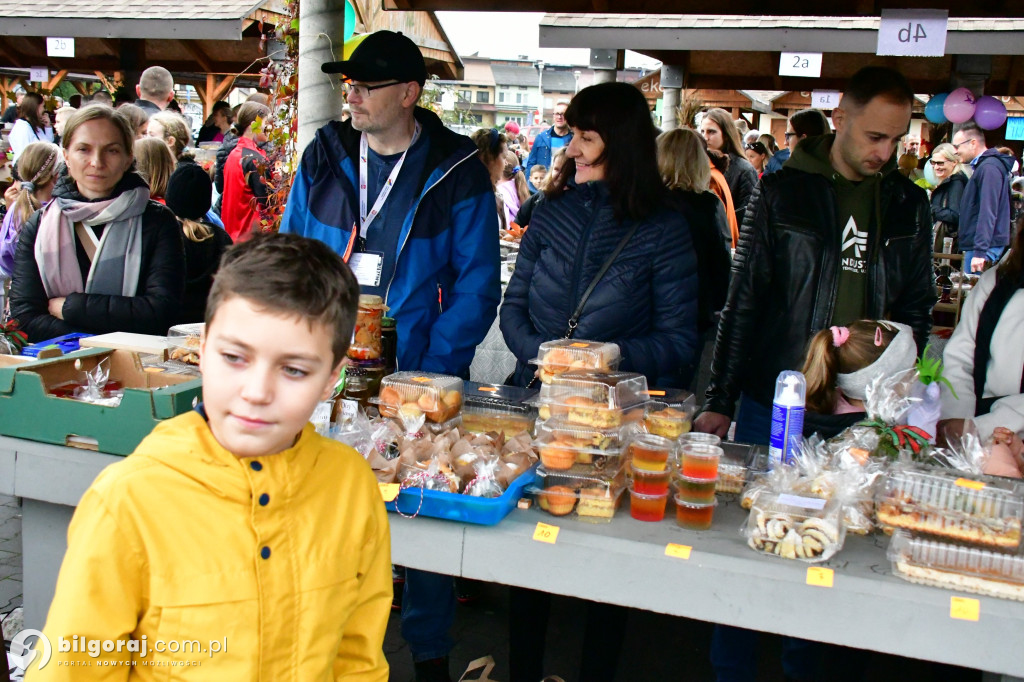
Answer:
(484, 511)
(67, 344)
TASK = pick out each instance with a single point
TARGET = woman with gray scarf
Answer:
(102, 256)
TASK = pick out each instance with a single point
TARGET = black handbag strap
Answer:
(574, 320)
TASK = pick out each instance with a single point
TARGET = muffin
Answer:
(557, 500)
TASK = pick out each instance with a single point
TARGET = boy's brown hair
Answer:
(290, 274)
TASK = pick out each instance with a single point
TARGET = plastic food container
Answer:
(564, 355)
(697, 438)
(650, 452)
(955, 567)
(501, 409)
(647, 507)
(795, 527)
(366, 336)
(592, 498)
(485, 511)
(651, 482)
(607, 442)
(436, 396)
(601, 400)
(183, 342)
(731, 477)
(669, 421)
(695, 490)
(983, 511)
(699, 460)
(694, 516)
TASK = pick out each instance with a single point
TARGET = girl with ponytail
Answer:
(38, 166)
(841, 361)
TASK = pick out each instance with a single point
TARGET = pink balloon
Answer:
(989, 113)
(959, 106)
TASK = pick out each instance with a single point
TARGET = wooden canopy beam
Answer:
(193, 49)
(215, 92)
(105, 81)
(56, 80)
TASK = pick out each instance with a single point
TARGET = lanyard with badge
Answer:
(367, 266)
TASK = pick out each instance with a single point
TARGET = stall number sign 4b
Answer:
(912, 33)
(806, 64)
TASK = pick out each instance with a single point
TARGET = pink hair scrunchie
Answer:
(840, 335)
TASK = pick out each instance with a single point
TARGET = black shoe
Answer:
(433, 670)
(466, 591)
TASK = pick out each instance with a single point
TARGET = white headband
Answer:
(900, 355)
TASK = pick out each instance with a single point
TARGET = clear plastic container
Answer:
(650, 452)
(602, 400)
(183, 342)
(698, 438)
(795, 527)
(437, 396)
(694, 516)
(955, 567)
(594, 497)
(699, 460)
(669, 421)
(694, 490)
(731, 477)
(983, 511)
(605, 442)
(647, 507)
(648, 482)
(565, 355)
(502, 409)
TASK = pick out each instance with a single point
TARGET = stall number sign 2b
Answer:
(60, 47)
(912, 33)
(807, 64)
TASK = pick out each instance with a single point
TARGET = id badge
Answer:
(367, 267)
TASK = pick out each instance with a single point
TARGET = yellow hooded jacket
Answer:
(273, 568)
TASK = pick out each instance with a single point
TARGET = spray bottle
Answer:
(787, 417)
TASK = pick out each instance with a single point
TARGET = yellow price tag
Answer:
(389, 491)
(968, 483)
(964, 608)
(678, 551)
(579, 345)
(489, 389)
(820, 577)
(422, 380)
(545, 533)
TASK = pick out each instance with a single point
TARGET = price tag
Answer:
(349, 409)
(488, 389)
(655, 393)
(820, 577)
(968, 483)
(579, 345)
(964, 608)
(545, 533)
(422, 380)
(38, 74)
(805, 64)
(678, 551)
(825, 100)
(815, 503)
(60, 47)
(913, 33)
(389, 491)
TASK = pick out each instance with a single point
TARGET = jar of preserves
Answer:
(366, 336)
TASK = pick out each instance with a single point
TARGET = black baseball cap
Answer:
(382, 56)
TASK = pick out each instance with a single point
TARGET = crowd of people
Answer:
(815, 255)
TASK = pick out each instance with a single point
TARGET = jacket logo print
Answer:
(855, 238)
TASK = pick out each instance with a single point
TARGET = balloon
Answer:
(933, 110)
(929, 174)
(989, 113)
(351, 44)
(350, 20)
(959, 106)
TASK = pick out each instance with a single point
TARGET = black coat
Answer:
(946, 201)
(202, 260)
(741, 177)
(705, 214)
(646, 302)
(786, 271)
(152, 310)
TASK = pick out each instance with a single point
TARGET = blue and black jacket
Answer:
(448, 244)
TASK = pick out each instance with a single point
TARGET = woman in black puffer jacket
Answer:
(646, 302)
(101, 256)
(946, 196)
(718, 129)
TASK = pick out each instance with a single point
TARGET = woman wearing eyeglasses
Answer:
(946, 196)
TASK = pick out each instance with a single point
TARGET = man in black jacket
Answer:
(837, 235)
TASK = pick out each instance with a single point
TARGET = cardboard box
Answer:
(28, 411)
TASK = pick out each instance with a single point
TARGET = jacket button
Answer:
(255, 466)
(264, 500)
(265, 552)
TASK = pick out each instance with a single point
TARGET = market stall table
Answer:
(623, 562)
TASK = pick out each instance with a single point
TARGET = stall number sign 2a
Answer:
(912, 33)
(807, 64)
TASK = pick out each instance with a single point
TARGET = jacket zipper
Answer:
(412, 224)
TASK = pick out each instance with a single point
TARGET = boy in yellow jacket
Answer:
(235, 543)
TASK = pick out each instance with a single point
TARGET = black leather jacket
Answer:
(785, 276)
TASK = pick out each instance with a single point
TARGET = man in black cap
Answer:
(405, 202)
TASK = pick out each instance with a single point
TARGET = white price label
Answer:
(38, 74)
(806, 64)
(913, 33)
(60, 47)
(825, 100)
(804, 502)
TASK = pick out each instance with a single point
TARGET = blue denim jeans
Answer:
(428, 610)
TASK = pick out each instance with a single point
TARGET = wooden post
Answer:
(56, 80)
